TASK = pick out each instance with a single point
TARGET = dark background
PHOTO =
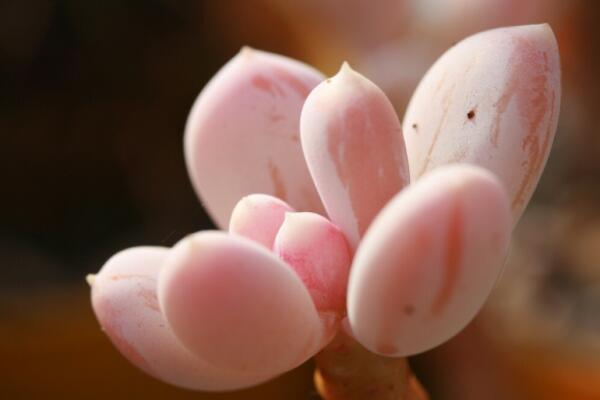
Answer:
(94, 96)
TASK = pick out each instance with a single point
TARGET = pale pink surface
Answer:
(317, 250)
(354, 149)
(491, 100)
(258, 217)
(429, 260)
(242, 135)
(125, 302)
(235, 304)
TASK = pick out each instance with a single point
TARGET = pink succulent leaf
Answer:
(354, 149)
(235, 304)
(318, 252)
(258, 217)
(429, 261)
(242, 135)
(491, 100)
(125, 302)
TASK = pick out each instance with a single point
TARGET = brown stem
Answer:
(347, 371)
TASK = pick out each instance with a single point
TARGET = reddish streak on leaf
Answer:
(265, 84)
(436, 134)
(365, 144)
(149, 297)
(326, 286)
(527, 81)
(296, 84)
(501, 106)
(534, 106)
(279, 186)
(536, 157)
(453, 256)
(414, 255)
(441, 82)
(280, 75)
(276, 117)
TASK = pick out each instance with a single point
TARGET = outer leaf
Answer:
(429, 261)
(491, 100)
(242, 135)
(125, 303)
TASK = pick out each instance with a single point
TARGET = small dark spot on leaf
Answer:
(409, 309)
(471, 114)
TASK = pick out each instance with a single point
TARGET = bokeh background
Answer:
(93, 100)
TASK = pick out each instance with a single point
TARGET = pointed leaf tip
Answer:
(354, 149)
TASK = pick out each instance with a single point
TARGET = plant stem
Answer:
(348, 371)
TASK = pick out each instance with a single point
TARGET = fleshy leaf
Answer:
(429, 261)
(235, 304)
(242, 135)
(492, 100)
(317, 250)
(125, 302)
(354, 149)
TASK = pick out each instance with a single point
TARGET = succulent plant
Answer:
(338, 223)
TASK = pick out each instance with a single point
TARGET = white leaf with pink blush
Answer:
(429, 261)
(242, 134)
(354, 149)
(125, 302)
(491, 100)
(236, 305)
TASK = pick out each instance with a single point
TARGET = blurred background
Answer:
(93, 100)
